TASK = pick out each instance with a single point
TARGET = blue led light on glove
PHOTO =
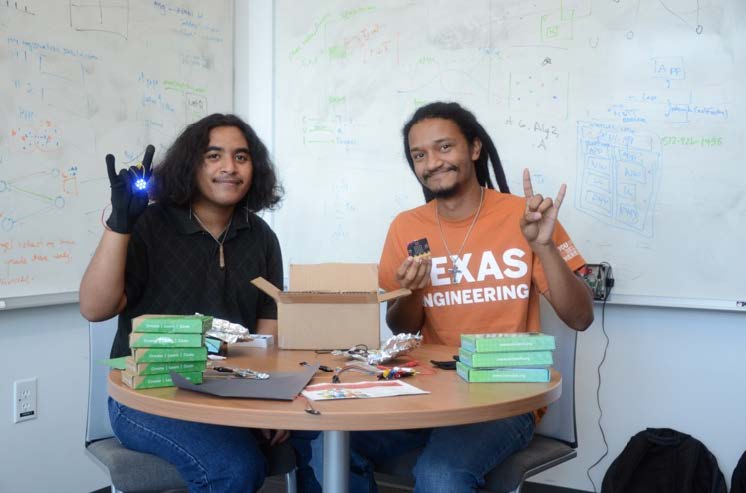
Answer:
(139, 182)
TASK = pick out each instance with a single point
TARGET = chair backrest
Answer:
(100, 338)
(559, 421)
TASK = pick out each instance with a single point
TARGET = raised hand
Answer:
(129, 194)
(537, 223)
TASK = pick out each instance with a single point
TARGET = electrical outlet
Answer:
(24, 400)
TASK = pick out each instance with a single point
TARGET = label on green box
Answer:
(155, 381)
(163, 367)
(501, 360)
(504, 342)
(159, 355)
(148, 339)
(497, 375)
(185, 324)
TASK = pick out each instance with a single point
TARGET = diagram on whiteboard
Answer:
(618, 172)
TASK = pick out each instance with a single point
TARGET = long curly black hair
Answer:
(175, 177)
(471, 129)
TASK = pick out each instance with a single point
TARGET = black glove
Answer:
(128, 201)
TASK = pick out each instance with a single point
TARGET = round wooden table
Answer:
(451, 401)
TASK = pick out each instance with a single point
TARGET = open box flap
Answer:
(267, 287)
(391, 295)
(318, 297)
(334, 277)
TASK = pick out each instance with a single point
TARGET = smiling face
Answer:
(225, 175)
(443, 159)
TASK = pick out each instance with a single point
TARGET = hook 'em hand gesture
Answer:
(537, 223)
(129, 194)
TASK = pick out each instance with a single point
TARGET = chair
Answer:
(131, 471)
(554, 441)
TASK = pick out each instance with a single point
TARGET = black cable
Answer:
(609, 282)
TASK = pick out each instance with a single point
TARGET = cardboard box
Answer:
(183, 324)
(329, 306)
(159, 355)
(155, 381)
(523, 359)
(507, 342)
(157, 368)
(151, 339)
(490, 375)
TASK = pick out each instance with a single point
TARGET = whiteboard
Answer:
(82, 79)
(637, 106)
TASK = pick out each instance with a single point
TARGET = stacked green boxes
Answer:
(161, 344)
(505, 357)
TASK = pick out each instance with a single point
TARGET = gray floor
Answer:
(271, 485)
(277, 485)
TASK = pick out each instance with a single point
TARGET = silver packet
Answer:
(394, 347)
(226, 331)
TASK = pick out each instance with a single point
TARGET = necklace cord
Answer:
(455, 270)
(220, 242)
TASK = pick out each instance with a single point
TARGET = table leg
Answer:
(336, 461)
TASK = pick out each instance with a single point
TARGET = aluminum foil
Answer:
(394, 347)
(226, 331)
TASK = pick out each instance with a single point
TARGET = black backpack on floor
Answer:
(661, 460)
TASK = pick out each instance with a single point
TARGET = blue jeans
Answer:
(304, 475)
(455, 459)
(210, 458)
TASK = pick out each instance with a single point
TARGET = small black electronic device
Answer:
(446, 365)
(419, 248)
(599, 278)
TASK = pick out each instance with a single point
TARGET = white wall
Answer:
(665, 367)
(47, 453)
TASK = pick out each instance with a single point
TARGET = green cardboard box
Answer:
(493, 375)
(157, 340)
(503, 342)
(160, 355)
(164, 367)
(502, 360)
(184, 324)
(155, 381)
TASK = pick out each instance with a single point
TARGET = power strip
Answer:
(599, 278)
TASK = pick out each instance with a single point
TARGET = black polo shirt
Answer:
(173, 267)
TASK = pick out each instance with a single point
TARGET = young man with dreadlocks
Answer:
(193, 249)
(492, 253)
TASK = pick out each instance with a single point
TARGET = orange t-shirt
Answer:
(500, 277)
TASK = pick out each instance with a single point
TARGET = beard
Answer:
(443, 192)
(446, 193)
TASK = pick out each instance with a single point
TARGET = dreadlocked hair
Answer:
(472, 129)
